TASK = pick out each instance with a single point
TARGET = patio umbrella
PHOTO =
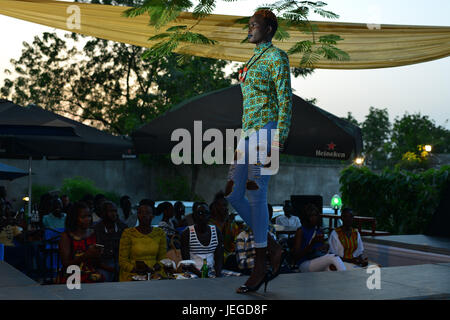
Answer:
(32, 132)
(10, 172)
(314, 132)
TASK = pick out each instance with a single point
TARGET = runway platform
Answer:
(407, 250)
(418, 242)
(430, 281)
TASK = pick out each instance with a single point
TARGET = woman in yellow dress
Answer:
(141, 248)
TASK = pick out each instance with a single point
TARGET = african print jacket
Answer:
(267, 91)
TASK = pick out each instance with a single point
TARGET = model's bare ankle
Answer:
(229, 188)
(252, 185)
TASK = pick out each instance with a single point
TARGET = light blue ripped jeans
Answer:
(253, 210)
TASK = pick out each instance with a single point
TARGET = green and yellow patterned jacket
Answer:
(267, 91)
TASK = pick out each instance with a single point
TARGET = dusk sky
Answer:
(421, 88)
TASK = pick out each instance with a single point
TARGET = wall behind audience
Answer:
(138, 181)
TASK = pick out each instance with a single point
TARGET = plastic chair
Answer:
(50, 254)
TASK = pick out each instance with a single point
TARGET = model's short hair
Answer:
(269, 18)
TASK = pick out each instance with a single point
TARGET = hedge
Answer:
(403, 202)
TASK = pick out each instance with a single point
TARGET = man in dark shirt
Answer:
(108, 232)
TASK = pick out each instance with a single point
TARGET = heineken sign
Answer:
(330, 153)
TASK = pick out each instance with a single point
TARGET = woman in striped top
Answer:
(202, 241)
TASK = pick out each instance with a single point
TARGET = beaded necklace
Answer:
(243, 72)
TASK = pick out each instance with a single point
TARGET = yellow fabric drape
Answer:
(369, 47)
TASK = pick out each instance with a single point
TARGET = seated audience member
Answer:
(288, 219)
(271, 226)
(78, 245)
(4, 203)
(188, 218)
(202, 241)
(45, 206)
(157, 214)
(346, 242)
(179, 211)
(108, 232)
(10, 234)
(220, 217)
(141, 248)
(9, 229)
(89, 200)
(97, 215)
(126, 213)
(56, 219)
(3, 211)
(65, 203)
(245, 250)
(150, 203)
(166, 209)
(309, 250)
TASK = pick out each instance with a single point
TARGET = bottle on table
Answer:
(205, 269)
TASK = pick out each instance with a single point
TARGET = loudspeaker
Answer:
(300, 201)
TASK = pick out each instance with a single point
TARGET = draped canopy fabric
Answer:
(369, 46)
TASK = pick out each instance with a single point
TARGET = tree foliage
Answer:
(403, 202)
(376, 129)
(402, 142)
(77, 187)
(413, 130)
(351, 119)
(292, 14)
(106, 83)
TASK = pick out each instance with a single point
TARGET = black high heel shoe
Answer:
(245, 289)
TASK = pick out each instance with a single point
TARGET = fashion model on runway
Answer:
(267, 107)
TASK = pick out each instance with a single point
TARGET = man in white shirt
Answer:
(288, 219)
(55, 219)
(126, 213)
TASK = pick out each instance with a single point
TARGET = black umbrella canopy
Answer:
(10, 172)
(314, 132)
(33, 131)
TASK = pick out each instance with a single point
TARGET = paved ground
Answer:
(431, 281)
(11, 277)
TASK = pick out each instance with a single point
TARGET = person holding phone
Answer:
(142, 247)
(78, 245)
(309, 251)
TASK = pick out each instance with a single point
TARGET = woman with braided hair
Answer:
(267, 103)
